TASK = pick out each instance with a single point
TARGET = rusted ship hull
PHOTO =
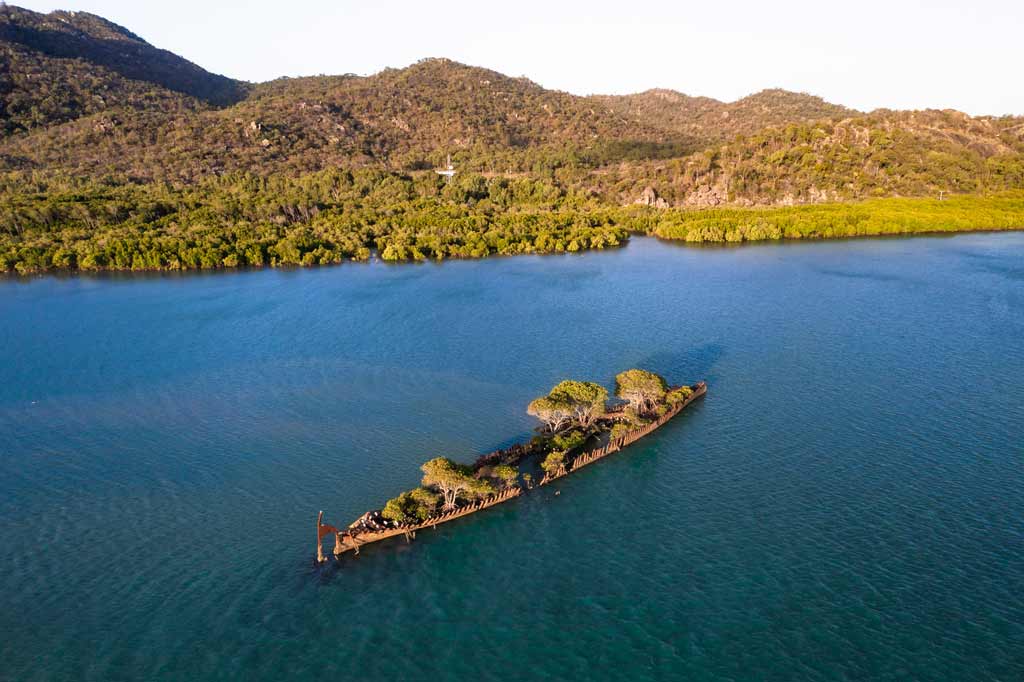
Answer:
(349, 541)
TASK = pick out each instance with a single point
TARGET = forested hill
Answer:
(399, 119)
(704, 121)
(882, 154)
(82, 96)
(116, 154)
(59, 66)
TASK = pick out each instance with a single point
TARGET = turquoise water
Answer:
(846, 503)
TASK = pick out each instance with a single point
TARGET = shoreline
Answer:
(167, 273)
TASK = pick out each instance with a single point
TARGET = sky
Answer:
(900, 54)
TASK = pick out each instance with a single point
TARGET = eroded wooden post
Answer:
(319, 547)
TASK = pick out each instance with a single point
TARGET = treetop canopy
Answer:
(640, 387)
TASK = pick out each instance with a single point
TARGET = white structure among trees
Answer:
(448, 171)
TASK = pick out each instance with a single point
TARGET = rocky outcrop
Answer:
(649, 197)
(708, 195)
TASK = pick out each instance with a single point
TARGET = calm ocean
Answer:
(847, 503)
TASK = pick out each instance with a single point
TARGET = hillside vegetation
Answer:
(704, 121)
(64, 65)
(874, 217)
(117, 154)
(333, 216)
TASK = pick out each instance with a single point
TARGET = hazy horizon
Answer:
(939, 56)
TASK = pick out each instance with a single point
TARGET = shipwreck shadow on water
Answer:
(688, 365)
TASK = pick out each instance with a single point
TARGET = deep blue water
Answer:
(846, 503)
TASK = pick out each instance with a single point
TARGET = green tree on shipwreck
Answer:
(412, 505)
(584, 399)
(579, 402)
(508, 475)
(555, 414)
(678, 395)
(453, 480)
(641, 388)
(554, 463)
